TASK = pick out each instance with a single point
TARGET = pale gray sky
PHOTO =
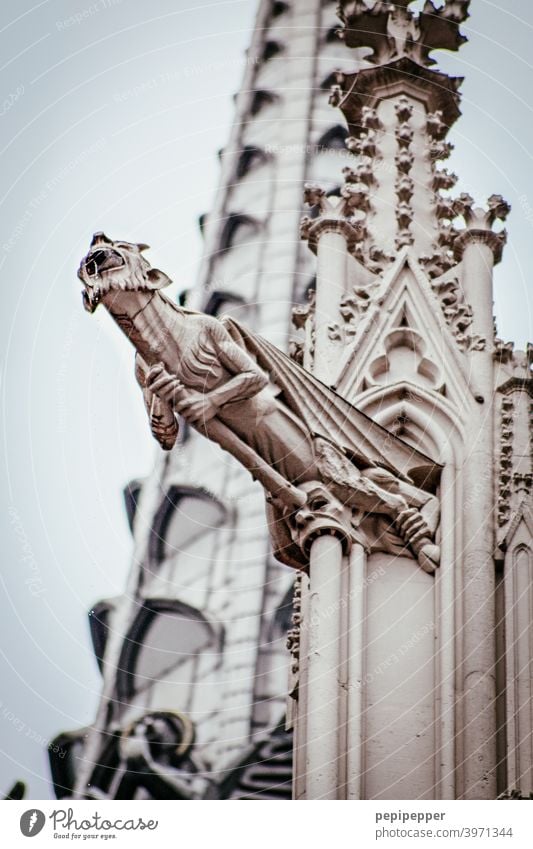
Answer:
(111, 121)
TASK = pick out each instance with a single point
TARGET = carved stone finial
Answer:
(404, 135)
(369, 119)
(362, 173)
(364, 145)
(393, 30)
(335, 95)
(343, 213)
(404, 187)
(438, 262)
(403, 109)
(479, 224)
(444, 179)
(404, 160)
(438, 149)
(404, 215)
(435, 126)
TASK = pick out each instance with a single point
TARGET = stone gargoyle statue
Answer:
(323, 464)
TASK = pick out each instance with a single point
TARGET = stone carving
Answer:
(364, 145)
(403, 109)
(404, 357)
(393, 30)
(438, 262)
(379, 534)
(479, 223)
(343, 213)
(156, 760)
(438, 149)
(506, 460)
(293, 636)
(352, 307)
(404, 184)
(458, 314)
(369, 118)
(503, 351)
(289, 430)
(404, 160)
(446, 235)
(379, 259)
(362, 173)
(404, 135)
(404, 214)
(404, 188)
(444, 179)
(435, 126)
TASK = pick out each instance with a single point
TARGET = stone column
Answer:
(321, 660)
(354, 708)
(479, 247)
(323, 665)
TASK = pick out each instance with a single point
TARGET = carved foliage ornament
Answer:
(393, 30)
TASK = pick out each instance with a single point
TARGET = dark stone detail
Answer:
(64, 763)
(331, 79)
(278, 8)
(249, 157)
(333, 139)
(271, 49)
(217, 300)
(17, 792)
(233, 223)
(201, 222)
(131, 494)
(265, 773)
(99, 626)
(262, 98)
(332, 36)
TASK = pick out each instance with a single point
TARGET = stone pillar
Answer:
(355, 651)
(331, 236)
(320, 742)
(323, 662)
(478, 247)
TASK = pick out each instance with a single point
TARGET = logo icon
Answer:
(32, 822)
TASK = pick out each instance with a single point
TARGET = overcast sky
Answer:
(111, 120)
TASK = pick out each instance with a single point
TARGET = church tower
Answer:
(408, 674)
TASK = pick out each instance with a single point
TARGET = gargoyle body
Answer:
(293, 433)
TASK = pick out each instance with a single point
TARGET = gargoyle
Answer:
(288, 429)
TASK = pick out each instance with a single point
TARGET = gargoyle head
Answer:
(116, 267)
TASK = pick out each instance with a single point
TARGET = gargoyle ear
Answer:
(142, 246)
(157, 279)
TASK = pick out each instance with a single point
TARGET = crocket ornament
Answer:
(323, 464)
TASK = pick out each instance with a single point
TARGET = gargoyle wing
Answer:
(329, 415)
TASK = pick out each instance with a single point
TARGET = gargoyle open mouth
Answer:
(103, 259)
(116, 267)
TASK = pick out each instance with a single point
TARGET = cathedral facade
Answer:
(408, 669)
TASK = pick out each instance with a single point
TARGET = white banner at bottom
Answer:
(416, 825)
